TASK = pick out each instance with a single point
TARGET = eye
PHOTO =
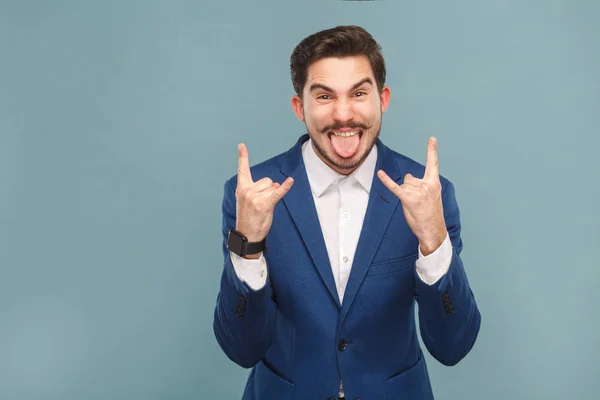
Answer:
(324, 97)
(360, 94)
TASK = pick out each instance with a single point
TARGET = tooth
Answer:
(346, 134)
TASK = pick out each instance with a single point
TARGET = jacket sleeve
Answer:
(243, 317)
(449, 318)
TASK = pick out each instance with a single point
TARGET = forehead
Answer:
(339, 73)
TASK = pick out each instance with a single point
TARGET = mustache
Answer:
(337, 125)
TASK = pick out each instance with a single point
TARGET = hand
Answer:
(255, 200)
(421, 201)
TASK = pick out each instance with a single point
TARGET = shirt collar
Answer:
(321, 176)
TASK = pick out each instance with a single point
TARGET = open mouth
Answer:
(345, 142)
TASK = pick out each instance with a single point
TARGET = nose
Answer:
(342, 111)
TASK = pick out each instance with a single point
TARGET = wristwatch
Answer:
(238, 244)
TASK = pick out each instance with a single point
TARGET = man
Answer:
(328, 246)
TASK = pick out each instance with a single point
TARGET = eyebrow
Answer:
(315, 86)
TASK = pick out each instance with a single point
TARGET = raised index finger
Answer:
(431, 167)
(244, 176)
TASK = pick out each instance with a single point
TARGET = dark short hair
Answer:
(341, 41)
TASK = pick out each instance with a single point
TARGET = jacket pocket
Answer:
(269, 385)
(393, 265)
(412, 383)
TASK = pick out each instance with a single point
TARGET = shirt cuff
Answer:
(432, 267)
(253, 272)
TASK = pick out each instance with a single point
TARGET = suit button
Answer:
(342, 344)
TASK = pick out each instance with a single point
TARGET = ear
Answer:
(385, 98)
(298, 107)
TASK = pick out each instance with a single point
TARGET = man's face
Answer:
(342, 109)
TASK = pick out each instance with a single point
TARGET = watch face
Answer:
(235, 243)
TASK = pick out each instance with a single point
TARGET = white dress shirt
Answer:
(341, 203)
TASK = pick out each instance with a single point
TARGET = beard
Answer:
(345, 166)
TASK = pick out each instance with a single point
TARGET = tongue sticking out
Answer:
(345, 146)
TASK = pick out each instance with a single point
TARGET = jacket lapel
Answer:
(301, 206)
(381, 206)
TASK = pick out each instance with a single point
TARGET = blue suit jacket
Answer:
(294, 333)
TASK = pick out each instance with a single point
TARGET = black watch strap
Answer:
(256, 247)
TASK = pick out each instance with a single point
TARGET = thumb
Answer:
(282, 190)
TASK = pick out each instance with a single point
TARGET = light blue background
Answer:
(118, 126)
